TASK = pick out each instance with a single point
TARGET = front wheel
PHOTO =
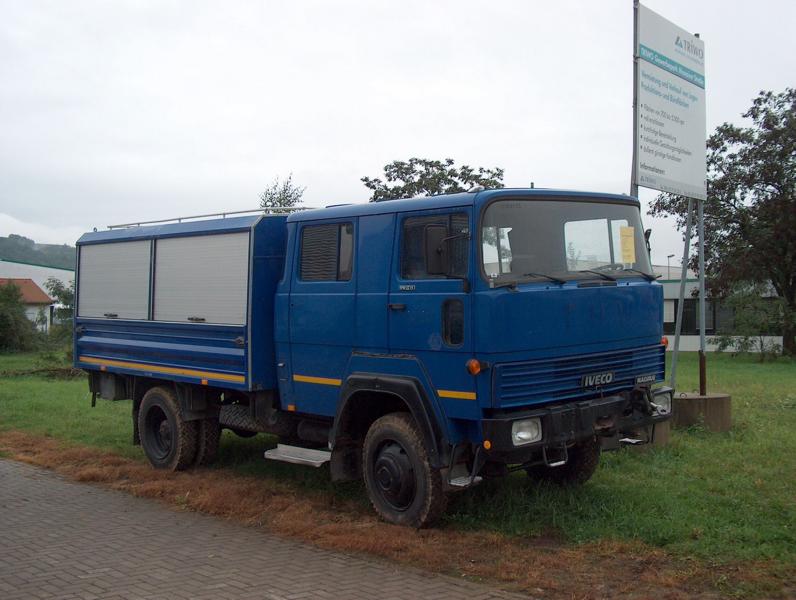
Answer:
(402, 486)
(168, 440)
(582, 462)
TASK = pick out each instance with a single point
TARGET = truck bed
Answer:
(190, 302)
(216, 354)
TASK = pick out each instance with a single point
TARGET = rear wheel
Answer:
(582, 462)
(402, 486)
(207, 443)
(168, 440)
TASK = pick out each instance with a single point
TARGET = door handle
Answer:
(393, 306)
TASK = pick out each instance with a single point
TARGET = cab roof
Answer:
(449, 201)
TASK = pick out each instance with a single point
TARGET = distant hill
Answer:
(21, 249)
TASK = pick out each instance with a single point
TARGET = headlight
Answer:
(664, 402)
(526, 432)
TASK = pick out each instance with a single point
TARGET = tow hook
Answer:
(604, 425)
(642, 400)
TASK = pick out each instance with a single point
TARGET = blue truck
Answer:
(419, 344)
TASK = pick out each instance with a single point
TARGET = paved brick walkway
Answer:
(60, 539)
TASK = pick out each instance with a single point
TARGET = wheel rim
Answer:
(394, 475)
(159, 432)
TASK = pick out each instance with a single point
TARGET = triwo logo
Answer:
(690, 48)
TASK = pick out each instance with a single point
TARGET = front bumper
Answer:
(566, 424)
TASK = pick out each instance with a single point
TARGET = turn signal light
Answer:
(473, 366)
(665, 342)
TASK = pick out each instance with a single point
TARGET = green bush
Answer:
(17, 333)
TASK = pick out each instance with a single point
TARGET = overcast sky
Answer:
(119, 111)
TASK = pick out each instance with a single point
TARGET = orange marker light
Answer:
(665, 341)
(473, 366)
(487, 444)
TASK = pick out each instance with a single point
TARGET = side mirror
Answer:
(437, 256)
(647, 234)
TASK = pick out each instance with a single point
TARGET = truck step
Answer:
(298, 455)
(464, 481)
(628, 441)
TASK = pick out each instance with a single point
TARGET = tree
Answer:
(750, 212)
(17, 333)
(424, 177)
(63, 314)
(21, 249)
(281, 195)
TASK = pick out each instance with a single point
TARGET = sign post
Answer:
(669, 130)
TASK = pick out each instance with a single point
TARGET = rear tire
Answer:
(402, 486)
(207, 443)
(581, 465)
(168, 440)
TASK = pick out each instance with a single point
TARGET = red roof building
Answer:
(31, 293)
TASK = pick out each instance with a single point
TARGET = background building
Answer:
(38, 305)
(718, 318)
(38, 273)
(30, 279)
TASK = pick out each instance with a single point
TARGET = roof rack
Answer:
(223, 215)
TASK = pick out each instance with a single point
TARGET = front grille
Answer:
(555, 379)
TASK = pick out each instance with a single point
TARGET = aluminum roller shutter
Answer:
(114, 280)
(202, 278)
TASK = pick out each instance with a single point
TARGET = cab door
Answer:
(430, 307)
(322, 313)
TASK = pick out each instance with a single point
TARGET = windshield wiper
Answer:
(600, 273)
(548, 277)
(646, 276)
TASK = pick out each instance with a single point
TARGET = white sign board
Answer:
(670, 107)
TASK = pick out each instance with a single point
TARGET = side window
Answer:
(327, 252)
(413, 247)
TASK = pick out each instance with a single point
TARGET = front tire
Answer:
(169, 441)
(580, 466)
(402, 486)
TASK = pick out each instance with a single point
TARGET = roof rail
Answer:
(223, 215)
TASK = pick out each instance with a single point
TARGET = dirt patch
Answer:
(542, 567)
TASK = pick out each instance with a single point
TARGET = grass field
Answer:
(717, 498)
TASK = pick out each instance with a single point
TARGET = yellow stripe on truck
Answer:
(456, 395)
(318, 380)
(104, 362)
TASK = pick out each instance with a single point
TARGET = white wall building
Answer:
(38, 273)
(717, 317)
(30, 278)
(38, 305)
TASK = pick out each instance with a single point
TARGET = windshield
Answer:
(554, 239)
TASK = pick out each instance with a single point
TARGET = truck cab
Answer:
(423, 344)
